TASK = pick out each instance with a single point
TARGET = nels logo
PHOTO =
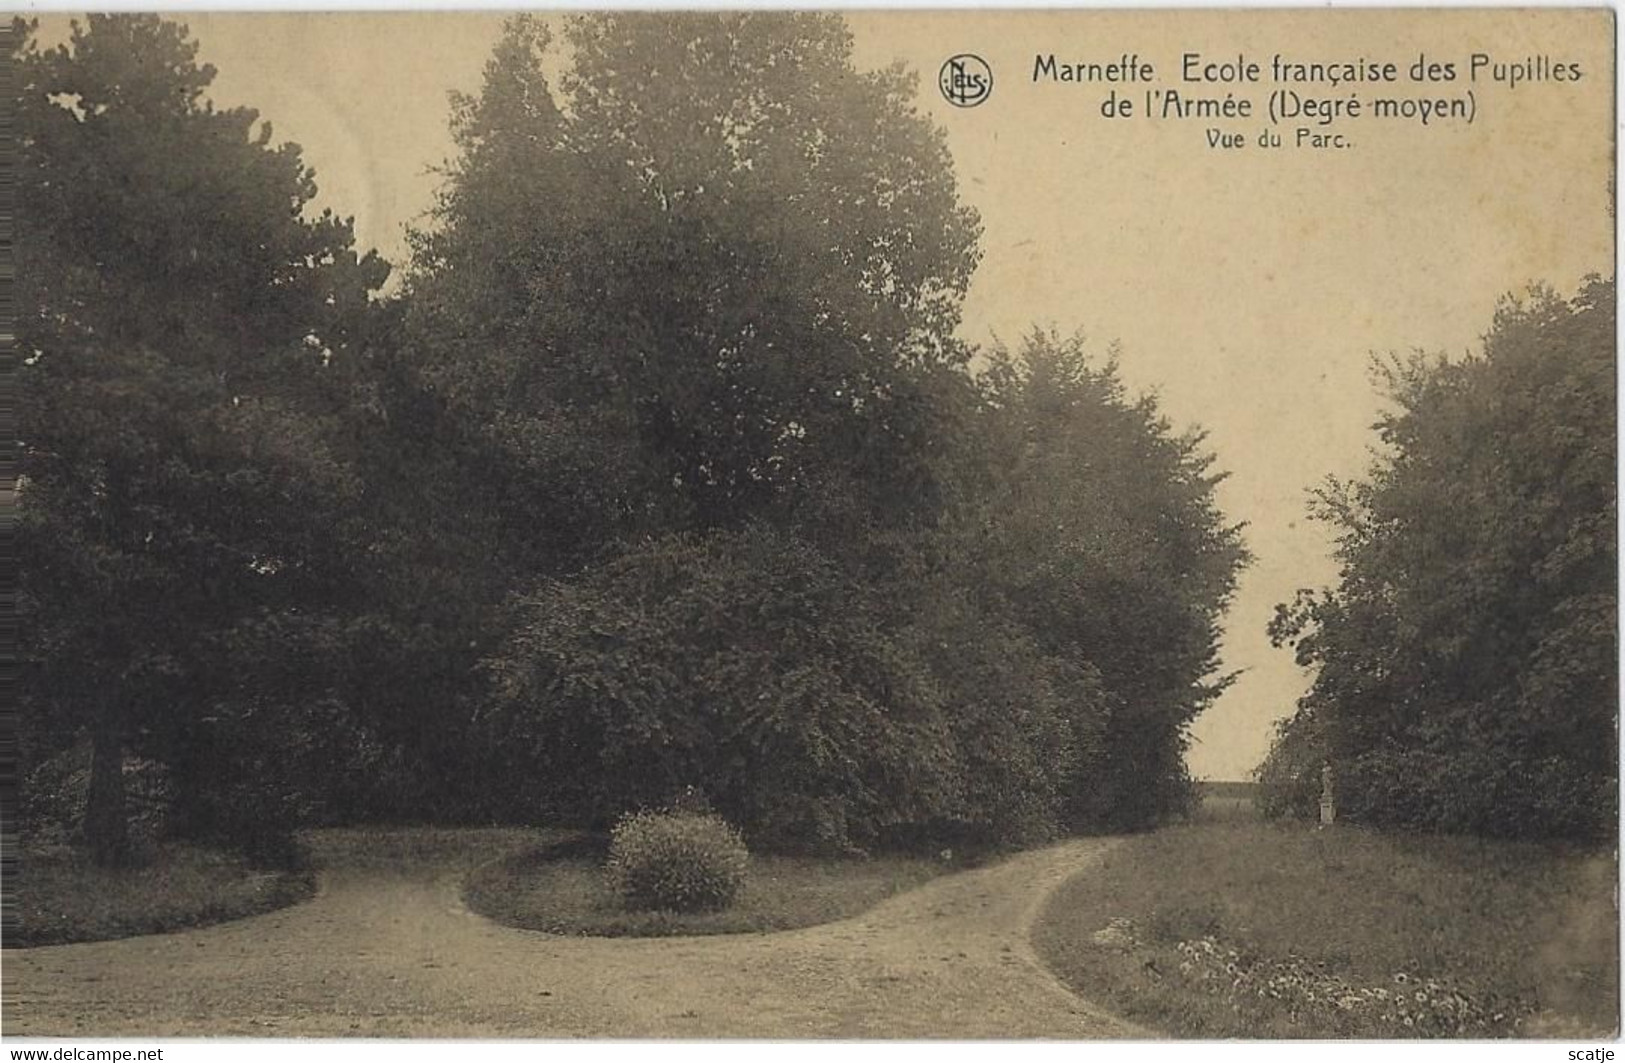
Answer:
(965, 80)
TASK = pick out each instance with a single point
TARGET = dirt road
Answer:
(386, 949)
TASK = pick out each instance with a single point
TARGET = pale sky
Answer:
(1248, 288)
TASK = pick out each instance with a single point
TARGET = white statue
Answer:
(1328, 809)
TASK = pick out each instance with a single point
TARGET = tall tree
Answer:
(703, 294)
(182, 499)
(708, 289)
(705, 282)
(1098, 525)
(1466, 662)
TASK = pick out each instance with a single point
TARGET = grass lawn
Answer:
(1232, 927)
(561, 890)
(420, 850)
(61, 897)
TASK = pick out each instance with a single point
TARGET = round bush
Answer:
(674, 861)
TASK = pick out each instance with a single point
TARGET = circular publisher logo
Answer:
(966, 80)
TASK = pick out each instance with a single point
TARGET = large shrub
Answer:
(676, 861)
(825, 708)
(746, 659)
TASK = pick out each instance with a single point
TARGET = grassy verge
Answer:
(425, 851)
(61, 897)
(1229, 928)
(561, 890)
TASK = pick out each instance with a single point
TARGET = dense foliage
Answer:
(687, 300)
(1097, 526)
(1466, 662)
(663, 465)
(802, 551)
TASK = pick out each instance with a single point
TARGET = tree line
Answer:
(661, 466)
(1466, 663)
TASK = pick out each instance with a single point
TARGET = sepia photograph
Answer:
(811, 525)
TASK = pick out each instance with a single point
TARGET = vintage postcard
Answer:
(977, 524)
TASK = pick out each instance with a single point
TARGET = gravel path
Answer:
(387, 949)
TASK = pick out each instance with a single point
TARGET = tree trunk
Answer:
(107, 827)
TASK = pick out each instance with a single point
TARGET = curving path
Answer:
(386, 949)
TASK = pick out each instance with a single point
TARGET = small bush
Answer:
(676, 861)
(561, 888)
